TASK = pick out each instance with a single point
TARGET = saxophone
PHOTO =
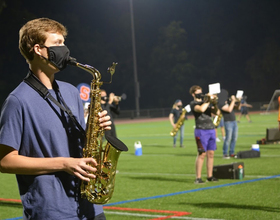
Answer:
(218, 116)
(180, 121)
(100, 189)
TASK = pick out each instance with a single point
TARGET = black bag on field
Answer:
(248, 154)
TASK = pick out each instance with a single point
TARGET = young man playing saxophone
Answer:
(174, 116)
(41, 143)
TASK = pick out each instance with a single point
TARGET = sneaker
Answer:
(182, 146)
(198, 181)
(218, 140)
(226, 156)
(212, 179)
(233, 155)
(174, 145)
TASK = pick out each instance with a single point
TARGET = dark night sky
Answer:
(236, 43)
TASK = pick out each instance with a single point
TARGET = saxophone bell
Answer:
(117, 143)
(100, 190)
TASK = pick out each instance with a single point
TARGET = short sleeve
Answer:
(11, 123)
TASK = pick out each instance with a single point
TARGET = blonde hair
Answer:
(34, 32)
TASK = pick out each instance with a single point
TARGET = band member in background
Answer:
(174, 115)
(111, 105)
(39, 141)
(227, 107)
(243, 107)
(204, 133)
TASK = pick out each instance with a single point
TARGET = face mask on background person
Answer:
(104, 98)
(58, 56)
(199, 96)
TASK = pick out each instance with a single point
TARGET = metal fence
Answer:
(164, 112)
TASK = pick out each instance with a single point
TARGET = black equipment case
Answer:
(248, 154)
(228, 171)
(272, 135)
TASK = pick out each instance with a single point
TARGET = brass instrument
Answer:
(213, 99)
(119, 98)
(218, 116)
(237, 103)
(180, 121)
(100, 189)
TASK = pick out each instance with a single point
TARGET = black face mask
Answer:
(58, 56)
(179, 106)
(198, 96)
(104, 98)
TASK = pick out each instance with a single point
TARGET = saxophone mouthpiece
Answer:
(72, 61)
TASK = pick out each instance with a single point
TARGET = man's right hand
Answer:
(83, 168)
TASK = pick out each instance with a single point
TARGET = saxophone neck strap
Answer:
(39, 87)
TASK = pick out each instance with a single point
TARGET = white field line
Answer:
(179, 174)
(154, 216)
(187, 134)
(216, 155)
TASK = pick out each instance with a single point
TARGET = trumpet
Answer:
(237, 102)
(213, 99)
(119, 98)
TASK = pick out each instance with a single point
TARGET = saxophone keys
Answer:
(107, 165)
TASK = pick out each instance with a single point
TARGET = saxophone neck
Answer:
(93, 71)
(90, 69)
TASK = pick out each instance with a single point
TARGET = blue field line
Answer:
(192, 190)
(178, 193)
(13, 218)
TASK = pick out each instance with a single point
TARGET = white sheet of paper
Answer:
(214, 88)
(239, 94)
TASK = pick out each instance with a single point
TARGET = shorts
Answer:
(205, 139)
(244, 111)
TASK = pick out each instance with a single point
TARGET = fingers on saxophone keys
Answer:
(89, 160)
(103, 113)
(91, 176)
(85, 175)
(105, 120)
(88, 171)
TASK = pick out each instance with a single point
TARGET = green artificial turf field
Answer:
(162, 178)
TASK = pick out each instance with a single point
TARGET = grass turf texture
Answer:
(163, 170)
